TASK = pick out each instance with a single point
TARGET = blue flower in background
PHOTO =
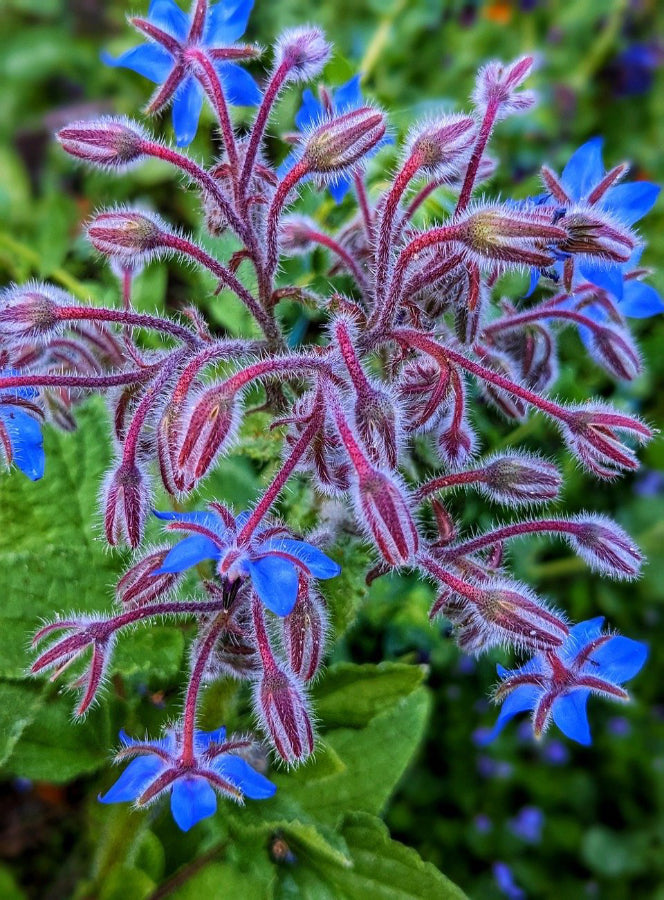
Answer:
(158, 768)
(558, 686)
(345, 98)
(20, 433)
(166, 59)
(271, 560)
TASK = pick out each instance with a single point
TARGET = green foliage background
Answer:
(397, 736)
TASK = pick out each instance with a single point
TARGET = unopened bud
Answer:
(295, 235)
(340, 142)
(111, 143)
(127, 235)
(284, 711)
(497, 84)
(441, 144)
(507, 236)
(125, 505)
(30, 312)
(594, 233)
(375, 415)
(605, 546)
(212, 424)
(304, 631)
(384, 509)
(422, 389)
(303, 51)
(139, 585)
(592, 434)
(616, 351)
(457, 441)
(520, 480)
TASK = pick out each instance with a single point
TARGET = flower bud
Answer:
(125, 504)
(422, 388)
(591, 433)
(110, 142)
(592, 232)
(496, 86)
(616, 351)
(31, 312)
(441, 144)
(295, 235)
(284, 711)
(375, 415)
(304, 631)
(213, 420)
(139, 585)
(339, 143)
(518, 480)
(382, 504)
(507, 236)
(127, 234)
(303, 51)
(605, 546)
(457, 441)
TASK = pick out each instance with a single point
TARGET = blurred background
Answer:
(551, 819)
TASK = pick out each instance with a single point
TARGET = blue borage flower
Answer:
(271, 559)
(628, 204)
(557, 686)
(159, 768)
(20, 433)
(312, 111)
(164, 60)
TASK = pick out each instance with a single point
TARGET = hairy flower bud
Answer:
(212, 423)
(592, 232)
(302, 51)
(110, 142)
(295, 235)
(520, 479)
(125, 504)
(497, 84)
(510, 237)
(616, 351)
(382, 504)
(375, 415)
(139, 585)
(422, 389)
(127, 235)
(304, 631)
(440, 145)
(283, 709)
(339, 143)
(605, 546)
(591, 433)
(30, 312)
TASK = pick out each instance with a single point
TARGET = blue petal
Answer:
(630, 202)
(239, 86)
(319, 564)
(569, 714)
(607, 276)
(203, 517)
(187, 553)
(520, 700)
(620, 658)
(192, 799)
(241, 775)
(187, 105)
(348, 96)
(227, 21)
(584, 169)
(579, 636)
(339, 188)
(26, 439)
(275, 581)
(148, 60)
(640, 301)
(203, 739)
(532, 284)
(168, 16)
(139, 775)
(242, 518)
(310, 112)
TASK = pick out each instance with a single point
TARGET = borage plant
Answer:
(405, 354)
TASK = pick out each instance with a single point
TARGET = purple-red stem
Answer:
(478, 151)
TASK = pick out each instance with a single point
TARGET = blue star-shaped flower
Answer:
(271, 559)
(159, 768)
(557, 686)
(167, 59)
(20, 433)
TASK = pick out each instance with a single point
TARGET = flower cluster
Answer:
(414, 339)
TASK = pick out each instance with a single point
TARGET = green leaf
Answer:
(19, 704)
(345, 593)
(9, 890)
(153, 654)
(126, 883)
(351, 695)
